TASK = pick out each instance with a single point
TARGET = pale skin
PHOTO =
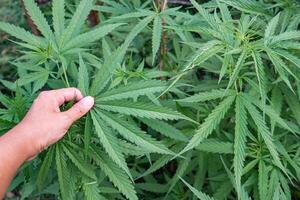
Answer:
(43, 125)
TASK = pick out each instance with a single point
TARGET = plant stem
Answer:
(93, 17)
(65, 75)
(65, 78)
(163, 47)
(182, 2)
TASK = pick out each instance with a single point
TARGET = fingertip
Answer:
(79, 109)
(88, 102)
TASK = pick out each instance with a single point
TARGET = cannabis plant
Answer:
(196, 101)
(50, 56)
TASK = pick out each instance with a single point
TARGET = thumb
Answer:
(79, 109)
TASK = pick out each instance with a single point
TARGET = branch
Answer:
(182, 2)
(93, 17)
(163, 48)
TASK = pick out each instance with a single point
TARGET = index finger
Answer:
(66, 94)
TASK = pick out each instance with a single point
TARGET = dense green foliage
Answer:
(200, 101)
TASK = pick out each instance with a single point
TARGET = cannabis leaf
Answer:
(58, 47)
(210, 123)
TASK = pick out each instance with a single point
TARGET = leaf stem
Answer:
(65, 75)
(65, 78)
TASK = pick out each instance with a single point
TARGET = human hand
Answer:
(45, 124)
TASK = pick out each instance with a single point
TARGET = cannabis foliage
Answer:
(204, 97)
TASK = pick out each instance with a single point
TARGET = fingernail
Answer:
(88, 101)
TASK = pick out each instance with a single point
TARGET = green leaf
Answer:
(82, 166)
(208, 96)
(237, 68)
(21, 34)
(140, 109)
(161, 161)
(156, 36)
(262, 180)
(274, 185)
(288, 56)
(241, 132)
(58, 17)
(206, 51)
(133, 90)
(156, 188)
(282, 150)
(261, 76)
(39, 19)
(65, 184)
(41, 82)
(270, 112)
(180, 171)
(114, 173)
(88, 130)
(91, 190)
(293, 103)
(286, 193)
(39, 78)
(197, 193)
(91, 36)
(44, 169)
(103, 75)
(77, 21)
(110, 143)
(133, 133)
(132, 149)
(290, 35)
(165, 129)
(224, 190)
(264, 132)
(276, 105)
(227, 60)
(210, 123)
(281, 68)
(83, 77)
(28, 66)
(141, 13)
(31, 77)
(250, 6)
(204, 13)
(215, 146)
(271, 27)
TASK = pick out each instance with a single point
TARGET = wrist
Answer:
(22, 140)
